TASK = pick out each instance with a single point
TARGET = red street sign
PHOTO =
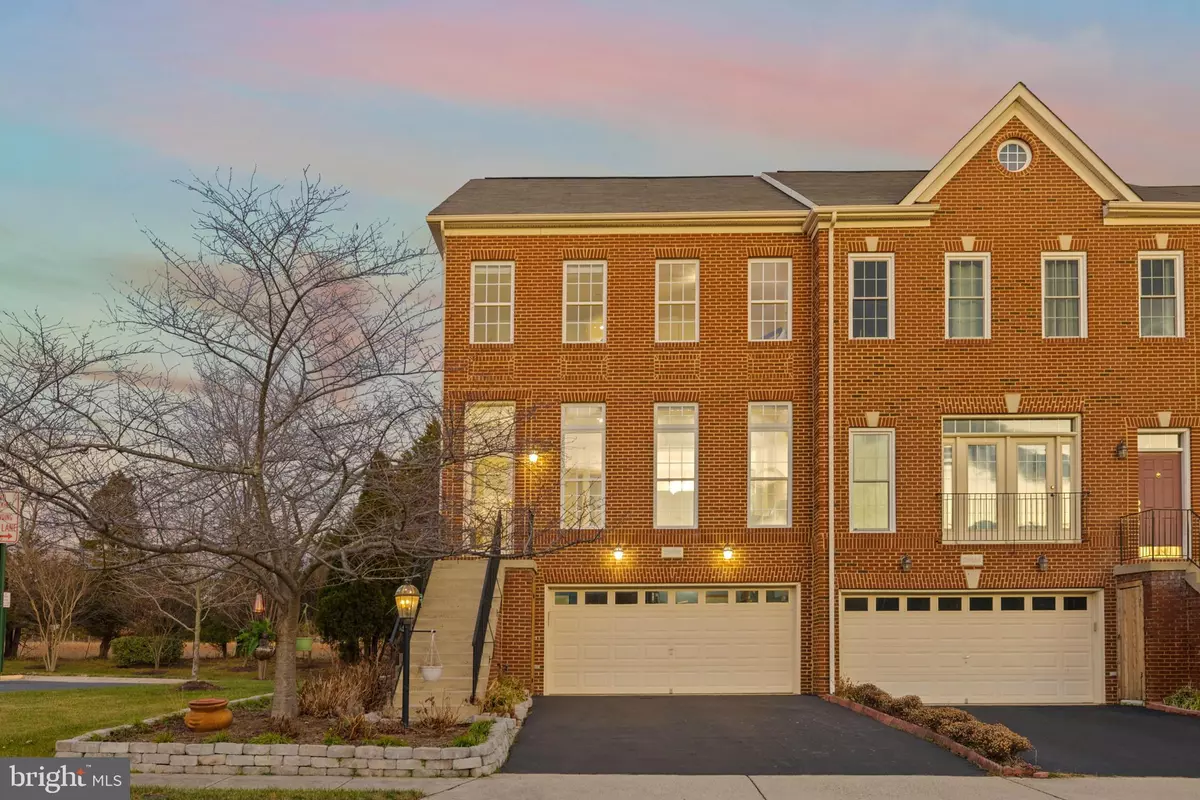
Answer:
(10, 517)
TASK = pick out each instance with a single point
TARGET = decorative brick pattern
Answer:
(228, 758)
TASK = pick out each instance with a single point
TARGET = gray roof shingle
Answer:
(851, 188)
(1170, 194)
(615, 196)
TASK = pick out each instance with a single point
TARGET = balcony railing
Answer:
(1003, 518)
(1158, 534)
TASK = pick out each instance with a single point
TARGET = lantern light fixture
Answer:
(906, 563)
(533, 457)
(259, 606)
(727, 552)
(1043, 563)
(618, 553)
(1122, 451)
(408, 600)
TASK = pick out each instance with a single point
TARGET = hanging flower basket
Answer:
(431, 670)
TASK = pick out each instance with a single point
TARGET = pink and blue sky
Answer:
(102, 103)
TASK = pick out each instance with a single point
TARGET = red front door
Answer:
(1160, 493)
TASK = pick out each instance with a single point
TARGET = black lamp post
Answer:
(408, 600)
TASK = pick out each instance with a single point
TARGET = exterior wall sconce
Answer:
(1043, 563)
(618, 553)
(1122, 451)
(906, 563)
(727, 552)
(533, 457)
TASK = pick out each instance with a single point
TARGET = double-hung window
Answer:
(1161, 293)
(677, 301)
(770, 426)
(1064, 295)
(968, 296)
(770, 299)
(675, 440)
(583, 465)
(871, 290)
(872, 479)
(492, 302)
(1010, 479)
(584, 297)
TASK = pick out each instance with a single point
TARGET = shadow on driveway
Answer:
(1104, 740)
(718, 735)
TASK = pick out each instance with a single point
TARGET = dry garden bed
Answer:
(995, 742)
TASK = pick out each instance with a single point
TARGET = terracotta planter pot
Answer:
(208, 714)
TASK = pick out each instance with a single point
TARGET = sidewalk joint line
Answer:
(1034, 788)
(455, 786)
(755, 785)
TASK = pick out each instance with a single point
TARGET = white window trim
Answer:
(986, 258)
(1180, 331)
(657, 263)
(1024, 145)
(562, 471)
(891, 434)
(1055, 255)
(654, 467)
(512, 299)
(750, 301)
(603, 301)
(750, 428)
(891, 293)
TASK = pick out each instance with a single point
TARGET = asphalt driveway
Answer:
(718, 735)
(1104, 740)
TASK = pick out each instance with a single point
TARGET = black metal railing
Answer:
(1012, 517)
(1157, 534)
(484, 613)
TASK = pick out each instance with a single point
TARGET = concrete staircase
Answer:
(450, 605)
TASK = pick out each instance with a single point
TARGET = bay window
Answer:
(1010, 480)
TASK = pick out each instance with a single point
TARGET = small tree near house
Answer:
(300, 351)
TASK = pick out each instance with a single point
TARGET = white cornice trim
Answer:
(1142, 212)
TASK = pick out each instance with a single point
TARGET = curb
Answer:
(1183, 712)
(17, 677)
(975, 757)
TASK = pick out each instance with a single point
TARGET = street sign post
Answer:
(10, 533)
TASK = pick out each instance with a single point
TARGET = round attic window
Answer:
(1013, 155)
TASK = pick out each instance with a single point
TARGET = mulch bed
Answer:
(303, 730)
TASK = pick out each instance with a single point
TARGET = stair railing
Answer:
(485, 605)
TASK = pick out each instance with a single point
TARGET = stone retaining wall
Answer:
(231, 758)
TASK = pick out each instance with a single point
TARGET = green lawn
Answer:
(211, 669)
(31, 722)
(158, 793)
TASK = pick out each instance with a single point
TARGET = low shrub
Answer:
(347, 690)
(476, 734)
(387, 741)
(163, 737)
(502, 695)
(997, 742)
(146, 651)
(437, 717)
(1187, 697)
(332, 739)
(352, 729)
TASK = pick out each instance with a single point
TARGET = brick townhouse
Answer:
(978, 381)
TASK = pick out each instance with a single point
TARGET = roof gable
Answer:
(1022, 104)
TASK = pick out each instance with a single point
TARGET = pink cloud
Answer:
(910, 88)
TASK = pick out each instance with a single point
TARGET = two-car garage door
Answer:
(1042, 647)
(668, 640)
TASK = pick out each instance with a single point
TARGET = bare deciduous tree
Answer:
(50, 575)
(244, 392)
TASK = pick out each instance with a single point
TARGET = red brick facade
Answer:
(1113, 379)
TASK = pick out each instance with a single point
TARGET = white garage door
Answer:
(655, 640)
(976, 648)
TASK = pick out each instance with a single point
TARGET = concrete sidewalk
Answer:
(719, 787)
